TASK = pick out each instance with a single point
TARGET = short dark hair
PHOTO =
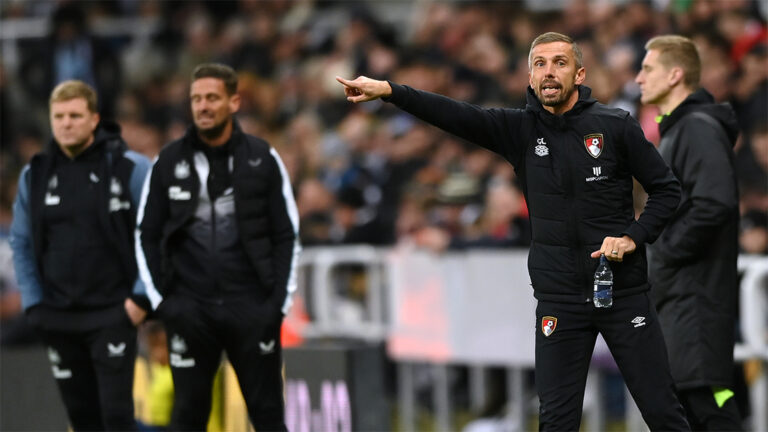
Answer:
(219, 71)
(557, 37)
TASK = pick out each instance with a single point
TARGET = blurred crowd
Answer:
(369, 173)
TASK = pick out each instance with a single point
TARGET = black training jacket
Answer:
(265, 213)
(72, 233)
(692, 266)
(576, 172)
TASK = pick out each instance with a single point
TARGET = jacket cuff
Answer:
(398, 94)
(637, 233)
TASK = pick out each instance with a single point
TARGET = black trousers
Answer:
(197, 334)
(94, 373)
(632, 332)
(704, 414)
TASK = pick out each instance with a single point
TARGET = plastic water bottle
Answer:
(603, 295)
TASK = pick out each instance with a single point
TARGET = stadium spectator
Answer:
(72, 52)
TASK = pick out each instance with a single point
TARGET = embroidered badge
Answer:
(181, 171)
(548, 324)
(115, 187)
(594, 144)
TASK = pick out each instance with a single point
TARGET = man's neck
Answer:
(675, 97)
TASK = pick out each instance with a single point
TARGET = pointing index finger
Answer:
(343, 81)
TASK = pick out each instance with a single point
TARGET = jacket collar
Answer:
(191, 137)
(559, 121)
(702, 101)
(106, 136)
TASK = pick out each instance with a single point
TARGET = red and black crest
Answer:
(548, 324)
(594, 144)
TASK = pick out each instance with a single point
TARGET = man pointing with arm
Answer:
(580, 203)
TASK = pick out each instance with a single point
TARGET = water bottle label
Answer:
(603, 297)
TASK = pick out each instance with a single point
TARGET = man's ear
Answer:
(234, 103)
(95, 119)
(676, 76)
(581, 75)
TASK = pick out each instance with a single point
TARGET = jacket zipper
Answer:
(573, 221)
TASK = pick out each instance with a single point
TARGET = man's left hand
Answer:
(615, 248)
(134, 312)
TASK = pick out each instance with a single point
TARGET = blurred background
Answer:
(413, 288)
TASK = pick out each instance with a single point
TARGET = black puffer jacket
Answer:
(265, 213)
(576, 195)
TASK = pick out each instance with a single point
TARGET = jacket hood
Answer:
(702, 101)
(558, 121)
(109, 131)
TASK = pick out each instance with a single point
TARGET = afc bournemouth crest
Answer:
(594, 144)
(548, 324)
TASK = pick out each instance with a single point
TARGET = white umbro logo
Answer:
(638, 321)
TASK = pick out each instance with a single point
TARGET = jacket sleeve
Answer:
(491, 128)
(24, 261)
(704, 166)
(663, 189)
(150, 217)
(284, 218)
(141, 166)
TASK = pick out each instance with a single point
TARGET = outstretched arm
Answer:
(496, 129)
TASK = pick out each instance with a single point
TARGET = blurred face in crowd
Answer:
(759, 143)
(212, 107)
(654, 80)
(73, 124)
(554, 76)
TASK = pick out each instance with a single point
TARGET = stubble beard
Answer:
(565, 94)
(214, 131)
